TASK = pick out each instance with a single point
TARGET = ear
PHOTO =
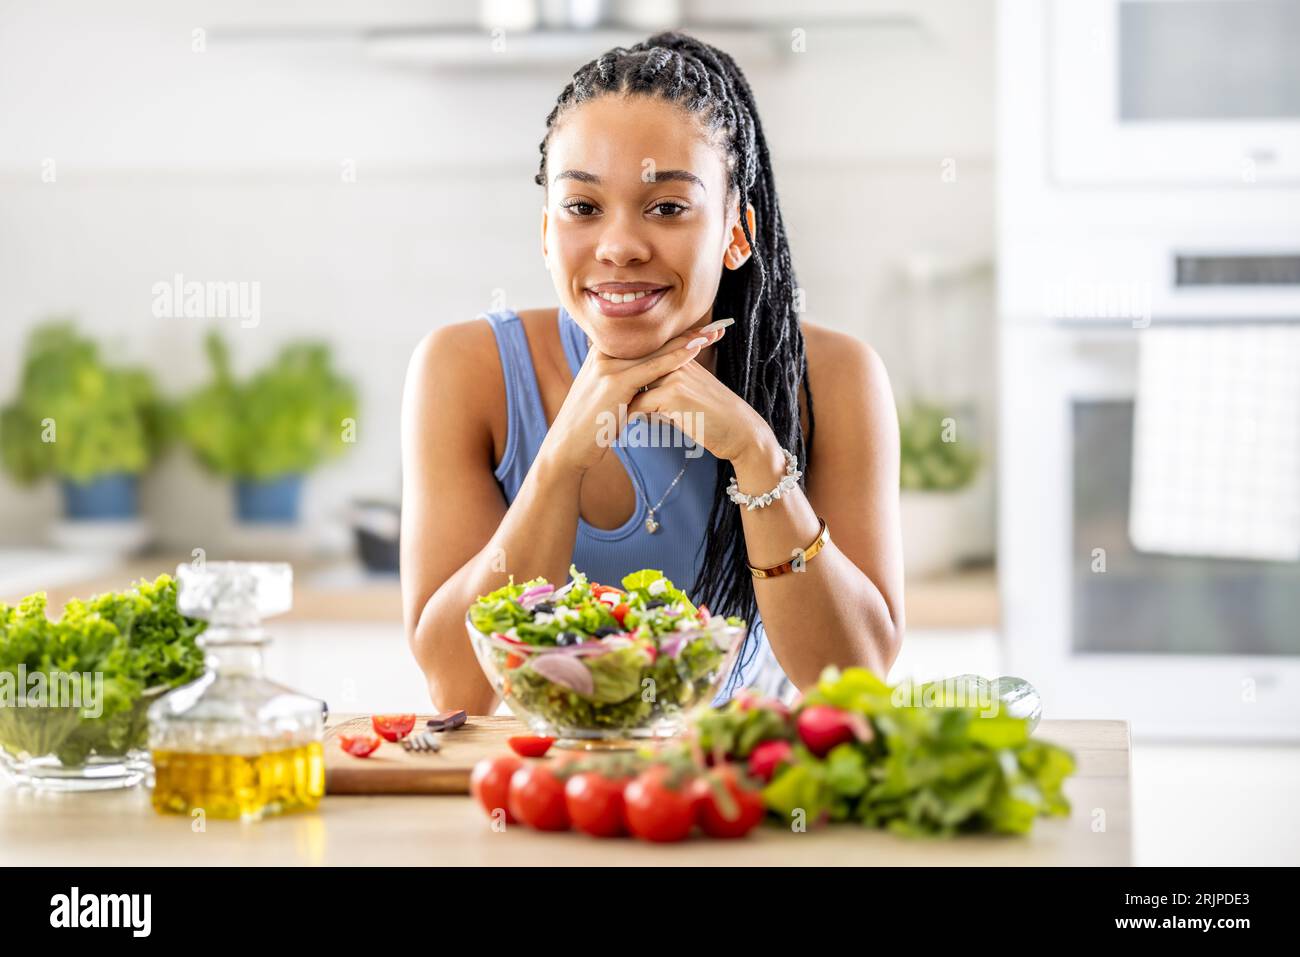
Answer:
(738, 251)
(543, 232)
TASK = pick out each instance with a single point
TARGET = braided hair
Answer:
(763, 359)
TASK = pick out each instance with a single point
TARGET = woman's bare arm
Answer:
(459, 539)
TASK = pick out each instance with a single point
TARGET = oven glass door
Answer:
(1128, 602)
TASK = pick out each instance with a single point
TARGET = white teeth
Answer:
(623, 297)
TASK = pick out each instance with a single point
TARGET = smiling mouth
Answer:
(623, 304)
(617, 297)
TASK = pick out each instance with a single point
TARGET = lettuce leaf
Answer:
(616, 675)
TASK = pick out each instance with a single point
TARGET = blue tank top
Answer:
(606, 555)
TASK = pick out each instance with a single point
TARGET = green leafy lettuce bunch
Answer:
(135, 641)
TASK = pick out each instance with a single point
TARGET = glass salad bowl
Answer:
(596, 666)
(75, 691)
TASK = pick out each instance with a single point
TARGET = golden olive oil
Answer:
(239, 785)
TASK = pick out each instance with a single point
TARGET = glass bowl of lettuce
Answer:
(594, 665)
(74, 692)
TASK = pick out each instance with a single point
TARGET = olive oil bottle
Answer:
(233, 744)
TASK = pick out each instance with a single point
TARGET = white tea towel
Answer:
(1216, 441)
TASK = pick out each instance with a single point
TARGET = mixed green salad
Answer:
(588, 657)
(122, 649)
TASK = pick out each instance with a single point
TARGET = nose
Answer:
(621, 241)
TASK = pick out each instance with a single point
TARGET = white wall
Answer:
(225, 165)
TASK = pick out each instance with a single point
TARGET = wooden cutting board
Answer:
(391, 769)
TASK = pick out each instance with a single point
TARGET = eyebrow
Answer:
(661, 176)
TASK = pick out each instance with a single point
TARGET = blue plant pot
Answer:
(106, 497)
(275, 500)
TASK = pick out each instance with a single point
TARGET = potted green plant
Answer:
(94, 426)
(267, 432)
(937, 469)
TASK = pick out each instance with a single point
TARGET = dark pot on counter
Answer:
(376, 526)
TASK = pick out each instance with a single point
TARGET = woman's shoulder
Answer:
(461, 352)
(457, 366)
(834, 352)
(460, 363)
(845, 373)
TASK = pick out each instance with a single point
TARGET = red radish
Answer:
(766, 757)
(822, 727)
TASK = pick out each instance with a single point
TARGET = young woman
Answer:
(650, 157)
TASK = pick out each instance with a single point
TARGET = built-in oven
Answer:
(1181, 645)
(1148, 185)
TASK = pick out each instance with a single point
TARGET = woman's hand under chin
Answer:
(603, 390)
(696, 401)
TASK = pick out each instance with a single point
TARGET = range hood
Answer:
(503, 33)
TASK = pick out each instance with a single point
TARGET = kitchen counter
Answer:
(120, 828)
(337, 591)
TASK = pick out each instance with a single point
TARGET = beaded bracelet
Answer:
(787, 484)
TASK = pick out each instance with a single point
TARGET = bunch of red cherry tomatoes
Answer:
(660, 799)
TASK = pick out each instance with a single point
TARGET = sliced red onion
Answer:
(673, 643)
(565, 671)
(588, 649)
(535, 594)
(613, 642)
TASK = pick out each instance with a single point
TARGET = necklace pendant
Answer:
(651, 525)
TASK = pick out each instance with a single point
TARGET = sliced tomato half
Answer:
(530, 746)
(393, 727)
(359, 745)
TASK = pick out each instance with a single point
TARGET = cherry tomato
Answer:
(601, 590)
(393, 727)
(489, 782)
(530, 746)
(657, 809)
(619, 612)
(537, 797)
(513, 661)
(359, 745)
(724, 807)
(595, 803)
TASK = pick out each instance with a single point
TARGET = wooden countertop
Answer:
(120, 827)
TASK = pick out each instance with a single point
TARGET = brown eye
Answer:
(677, 206)
(575, 205)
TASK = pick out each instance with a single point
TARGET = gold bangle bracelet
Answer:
(821, 541)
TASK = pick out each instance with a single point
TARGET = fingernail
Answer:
(697, 341)
(717, 324)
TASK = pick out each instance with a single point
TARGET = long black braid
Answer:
(762, 358)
